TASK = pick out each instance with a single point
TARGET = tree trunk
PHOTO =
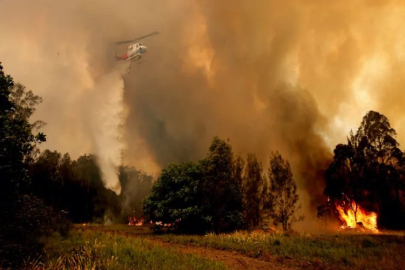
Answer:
(284, 225)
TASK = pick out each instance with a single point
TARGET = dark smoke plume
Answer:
(293, 76)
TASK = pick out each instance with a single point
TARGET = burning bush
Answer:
(369, 173)
(355, 216)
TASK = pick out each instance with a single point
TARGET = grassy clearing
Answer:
(90, 249)
(339, 251)
(114, 247)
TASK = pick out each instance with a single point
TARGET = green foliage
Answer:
(23, 218)
(254, 188)
(222, 187)
(17, 142)
(23, 224)
(283, 195)
(177, 196)
(57, 179)
(370, 171)
(6, 82)
(24, 104)
(199, 197)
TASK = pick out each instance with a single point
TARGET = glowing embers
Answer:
(133, 221)
(357, 218)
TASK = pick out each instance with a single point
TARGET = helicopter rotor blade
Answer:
(123, 42)
(136, 39)
(148, 35)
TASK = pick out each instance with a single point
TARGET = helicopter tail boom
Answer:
(120, 58)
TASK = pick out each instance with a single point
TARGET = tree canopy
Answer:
(369, 171)
(254, 192)
(283, 197)
(221, 194)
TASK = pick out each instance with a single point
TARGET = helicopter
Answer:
(135, 50)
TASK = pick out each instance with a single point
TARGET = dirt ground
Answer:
(231, 259)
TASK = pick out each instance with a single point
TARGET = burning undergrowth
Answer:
(134, 221)
(365, 181)
(355, 217)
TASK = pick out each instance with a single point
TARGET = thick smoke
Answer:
(58, 51)
(292, 76)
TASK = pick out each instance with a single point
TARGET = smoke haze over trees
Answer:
(237, 69)
(42, 192)
(76, 187)
(283, 195)
(221, 194)
(23, 218)
(292, 76)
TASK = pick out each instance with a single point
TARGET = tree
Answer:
(368, 171)
(237, 170)
(253, 186)
(17, 143)
(200, 197)
(283, 195)
(135, 187)
(25, 103)
(222, 189)
(177, 197)
(23, 218)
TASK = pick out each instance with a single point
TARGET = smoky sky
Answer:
(292, 76)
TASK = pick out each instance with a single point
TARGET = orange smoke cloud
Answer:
(292, 76)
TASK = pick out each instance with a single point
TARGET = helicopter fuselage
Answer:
(135, 51)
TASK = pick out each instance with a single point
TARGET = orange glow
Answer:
(134, 221)
(353, 217)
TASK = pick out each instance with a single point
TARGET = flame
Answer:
(160, 223)
(138, 224)
(133, 221)
(352, 218)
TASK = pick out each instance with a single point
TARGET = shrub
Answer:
(22, 226)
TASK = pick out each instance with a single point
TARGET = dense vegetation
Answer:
(57, 179)
(220, 194)
(369, 171)
(23, 218)
(43, 192)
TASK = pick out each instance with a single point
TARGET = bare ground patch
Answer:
(232, 259)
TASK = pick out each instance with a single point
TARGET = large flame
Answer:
(357, 215)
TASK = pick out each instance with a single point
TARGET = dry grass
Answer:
(333, 251)
(88, 249)
(114, 247)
